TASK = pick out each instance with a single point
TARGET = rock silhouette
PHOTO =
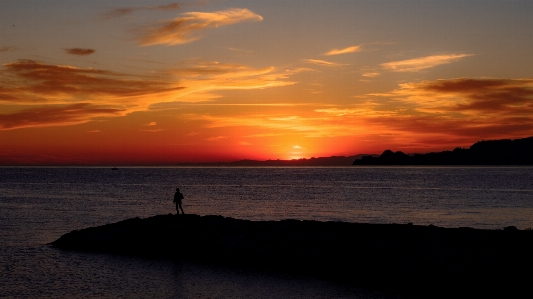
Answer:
(405, 258)
(492, 152)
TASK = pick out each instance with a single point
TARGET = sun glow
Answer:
(178, 83)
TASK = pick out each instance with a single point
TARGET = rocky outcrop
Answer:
(406, 258)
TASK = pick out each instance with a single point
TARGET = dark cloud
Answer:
(6, 49)
(45, 79)
(55, 115)
(123, 11)
(79, 51)
(487, 95)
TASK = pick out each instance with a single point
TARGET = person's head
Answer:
(178, 189)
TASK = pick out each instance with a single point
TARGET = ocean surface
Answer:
(38, 205)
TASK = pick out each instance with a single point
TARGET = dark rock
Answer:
(421, 260)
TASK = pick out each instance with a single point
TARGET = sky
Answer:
(159, 82)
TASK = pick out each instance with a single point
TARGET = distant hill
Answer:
(320, 161)
(490, 152)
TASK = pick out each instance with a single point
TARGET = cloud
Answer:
(371, 75)
(311, 127)
(123, 11)
(202, 77)
(343, 51)
(46, 83)
(192, 134)
(422, 63)
(462, 107)
(217, 138)
(240, 50)
(55, 115)
(79, 51)
(7, 49)
(489, 96)
(322, 62)
(29, 82)
(185, 29)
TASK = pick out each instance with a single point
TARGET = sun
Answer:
(295, 153)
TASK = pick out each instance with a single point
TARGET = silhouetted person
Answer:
(177, 200)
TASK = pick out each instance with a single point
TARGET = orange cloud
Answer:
(343, 51)
(55, 115)
(422, 63)
(304, 126)
(217, 138)
(79, 51)
(322, 62)
(371, 75)
(28, 82)
(185, 29)
(462, 108)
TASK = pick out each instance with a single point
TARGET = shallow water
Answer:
(38, 205)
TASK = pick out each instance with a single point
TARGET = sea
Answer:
(40, 204)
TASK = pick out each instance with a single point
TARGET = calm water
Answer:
(38, 205)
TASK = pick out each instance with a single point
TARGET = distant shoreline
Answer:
(504, 152)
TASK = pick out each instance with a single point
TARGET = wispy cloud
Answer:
(123, 11)
(371, 74)
(422, 63)
(312, 127)
(343, 51)
(240, 50)
(55, 115)
(322, 62)
(79, 51)
(6, 49)
(217, 138)
(186, 29)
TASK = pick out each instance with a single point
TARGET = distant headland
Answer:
(426, 261)
(311, 162)
(490, 152)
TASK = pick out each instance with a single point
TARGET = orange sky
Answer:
(156, 83)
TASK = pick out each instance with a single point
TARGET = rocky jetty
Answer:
(424, 261)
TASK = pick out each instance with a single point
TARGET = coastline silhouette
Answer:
(178, 197)
(486, 152)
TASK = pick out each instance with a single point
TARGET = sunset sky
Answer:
(154, 82)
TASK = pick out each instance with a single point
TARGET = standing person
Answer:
(177, 200)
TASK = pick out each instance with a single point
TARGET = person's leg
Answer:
(177, 209)
(181, 209)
